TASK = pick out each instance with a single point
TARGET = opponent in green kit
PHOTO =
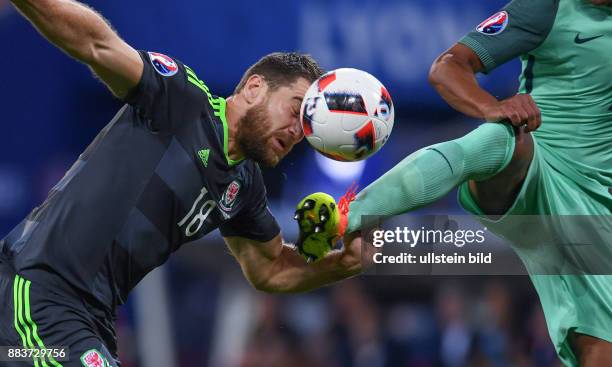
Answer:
(506, 168)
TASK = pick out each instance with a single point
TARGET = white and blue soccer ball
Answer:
(347, 115)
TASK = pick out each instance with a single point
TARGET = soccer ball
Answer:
(347, 115)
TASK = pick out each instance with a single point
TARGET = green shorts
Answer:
(578, 303)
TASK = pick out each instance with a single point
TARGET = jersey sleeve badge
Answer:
(93, 358)
(230, 195)
(163, 64)
(495, 24)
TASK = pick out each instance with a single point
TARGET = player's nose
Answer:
(296, 132)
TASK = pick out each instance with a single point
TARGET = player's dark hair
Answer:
(282, 68)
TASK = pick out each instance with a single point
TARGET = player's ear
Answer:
(255, 89)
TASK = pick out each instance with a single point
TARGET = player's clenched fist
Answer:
(519, 110)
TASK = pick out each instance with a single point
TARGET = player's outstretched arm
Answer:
(85, 35)
(276, 267)
(453, 76)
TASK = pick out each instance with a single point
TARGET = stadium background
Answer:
(198, 310)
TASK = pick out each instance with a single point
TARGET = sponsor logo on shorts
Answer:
(163, 64)
(229, 196)
(495, 24)
(93, 358)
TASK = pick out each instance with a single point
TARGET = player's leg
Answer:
(92, 353)
(430, 173)
(578, 308)
(496, 195)
(586, 296)
(591, 351)
(64, 320)
(8, 333)
(35, 317)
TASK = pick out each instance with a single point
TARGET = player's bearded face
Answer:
(255, 136)
(268, 130)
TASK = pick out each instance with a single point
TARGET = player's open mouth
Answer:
(280, 144)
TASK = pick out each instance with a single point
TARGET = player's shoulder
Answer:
(518, 28)
(207, 99)
(534, 4)
(253, 171)
(541, 12)
(531, 15)
(172, 70)
(163, 80)
(534, 16)
(247, 178)
(161, 63)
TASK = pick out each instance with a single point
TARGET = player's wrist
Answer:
(490, 110)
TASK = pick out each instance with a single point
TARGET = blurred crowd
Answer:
(371, 321)
(484, 326)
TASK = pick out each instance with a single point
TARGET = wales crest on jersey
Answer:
(93, 358)
(229, 196)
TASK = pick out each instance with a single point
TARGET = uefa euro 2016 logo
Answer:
(163, 64)
(495, 24)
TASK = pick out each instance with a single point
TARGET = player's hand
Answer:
(318, 220)
(519, 110)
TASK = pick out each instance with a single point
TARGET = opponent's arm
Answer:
(276, 267)
(453, 76)
(85, 35)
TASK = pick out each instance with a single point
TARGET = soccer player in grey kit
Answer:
(175, 163)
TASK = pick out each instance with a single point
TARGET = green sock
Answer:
(430, 173)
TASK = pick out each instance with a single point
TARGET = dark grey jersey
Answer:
(156, 177)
